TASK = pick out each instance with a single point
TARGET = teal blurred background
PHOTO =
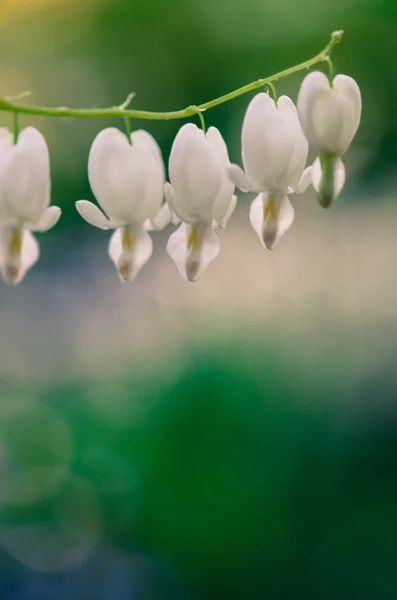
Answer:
(235, 438)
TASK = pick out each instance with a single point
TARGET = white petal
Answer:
(339, 177)
(346, 86)
(304, 181)
(129, 260)
(222, 202)
(170, 198)
(218, 145)
(25, 178)
(143, 139)
(271, 227)
(301, 147)
(221, 224)
(126, 180)
(195, 175)
(50, 218)
(160, 221)
(6, 143)
(314, 85)
(329, 116)
(192, 259)
(17, 259)
(267, 144)
(93, 215)
(239, 178)
(221, 211)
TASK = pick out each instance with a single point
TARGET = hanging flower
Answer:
(274, 153)
(330, 117)
(200, 195)
(24, 201)
(128, 182)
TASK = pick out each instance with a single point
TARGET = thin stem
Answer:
(199, 111)
(128, 129)
(274, 91)
(7, 104)
(15, 126)
(328, 60)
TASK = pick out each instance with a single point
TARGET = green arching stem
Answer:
(8, 105)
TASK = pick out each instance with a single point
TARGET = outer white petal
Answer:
(25, 178)
(301, 147)
(329, 116)
(15, 266)
(218, 145)
(346, 86)
(143, 139)
(221, 224)
(177, 208)
(267, 144)
(191, 264)
(195, 175)
(222, 202)
(126, 180)
(339, 176)
(6, 143)
(160, 221)
(314, 85)
(270, 231)
(240, 179)
(92, 214)
(49, 218)
(129, 263)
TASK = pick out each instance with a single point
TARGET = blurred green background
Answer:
(235, 438)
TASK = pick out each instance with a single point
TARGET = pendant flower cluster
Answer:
(200, 195)
(330, 116)
(274, 153)
(128, 179)
(24, 201)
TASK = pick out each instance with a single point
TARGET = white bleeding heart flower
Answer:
(330, 116)
(128, 182)
(24, 201)
(200, 195)
(274, 153)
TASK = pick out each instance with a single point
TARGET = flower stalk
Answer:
(8, 104)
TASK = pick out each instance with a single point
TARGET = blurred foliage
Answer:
(242, 473)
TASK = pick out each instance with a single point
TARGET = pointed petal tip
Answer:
(10, 276)
(190, 264)
(130, 260)
(15, 263)
(192, 271)
(325, 200)
(328, 180)
(125, 270)
(269, 244)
